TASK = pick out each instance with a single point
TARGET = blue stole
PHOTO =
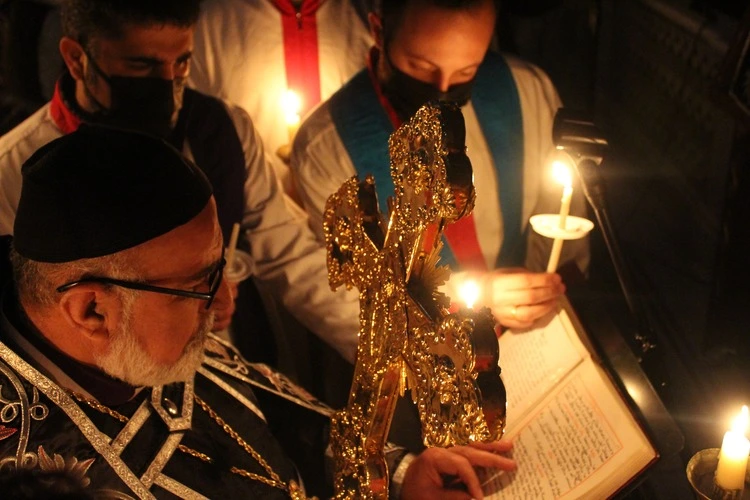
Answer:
(364, 128)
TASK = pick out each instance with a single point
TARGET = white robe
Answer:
(239, 56)
(321, 164)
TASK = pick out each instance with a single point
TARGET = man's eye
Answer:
(181, 68)
(202, 285)
(422, 67)
(467, 73)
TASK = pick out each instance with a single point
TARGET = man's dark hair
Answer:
(83, 20)
(392, 11)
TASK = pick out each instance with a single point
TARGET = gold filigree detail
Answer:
(407, 338)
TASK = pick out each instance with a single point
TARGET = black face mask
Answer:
(407, 94)
(145, 104)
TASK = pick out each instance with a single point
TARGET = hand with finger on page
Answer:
(449, 473)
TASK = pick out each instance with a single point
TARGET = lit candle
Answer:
(469, 292)
(730, 473)
(483, 324)
(291, 105)
(562, 174)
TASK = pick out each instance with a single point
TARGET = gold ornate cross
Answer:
(408, 339)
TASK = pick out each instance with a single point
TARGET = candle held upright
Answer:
(562, 173)
(732, 466)
(291, 105)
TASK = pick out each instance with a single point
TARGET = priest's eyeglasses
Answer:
(214, 282)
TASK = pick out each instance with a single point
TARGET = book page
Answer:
(533, 361)
(580, 442)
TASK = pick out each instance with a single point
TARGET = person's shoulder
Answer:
(23, 140)
(209, 112)
(527, 73)
(202, 105)
(33, 126)
(525, 70)
(221, 355)
(534, 85)
(318, 126)
(196, 97)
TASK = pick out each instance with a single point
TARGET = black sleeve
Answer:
(303, 434)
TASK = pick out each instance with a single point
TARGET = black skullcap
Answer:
(101, 190)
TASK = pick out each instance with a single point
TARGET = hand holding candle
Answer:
(730, 473)
(562, 173)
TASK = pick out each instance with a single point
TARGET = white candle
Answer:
(469, 292)
(232, 247)
(292, 125)
(290, 106)
(730, 473)
(562, 173)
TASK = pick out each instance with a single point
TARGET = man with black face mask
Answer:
(439, 50)
(150, 104)
(126, 66)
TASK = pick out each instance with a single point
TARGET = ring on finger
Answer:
(514, 312)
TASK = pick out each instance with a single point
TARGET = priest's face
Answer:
(128, 360)
(159, 338)
(434, 45)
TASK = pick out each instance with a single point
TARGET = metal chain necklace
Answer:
(292, 489)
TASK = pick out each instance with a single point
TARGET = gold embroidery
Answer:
(292, 489)
(12, 367)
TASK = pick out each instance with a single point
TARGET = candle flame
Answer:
(291, 104)
(739, 424)
(562, 173)
(469, 292)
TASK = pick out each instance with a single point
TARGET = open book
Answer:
(574, 436)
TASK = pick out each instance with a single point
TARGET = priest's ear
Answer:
(90, 309)
(376, 29)
(73, 54)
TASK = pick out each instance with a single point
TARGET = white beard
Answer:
(129, 362)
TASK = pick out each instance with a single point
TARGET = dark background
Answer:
(655, 77)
